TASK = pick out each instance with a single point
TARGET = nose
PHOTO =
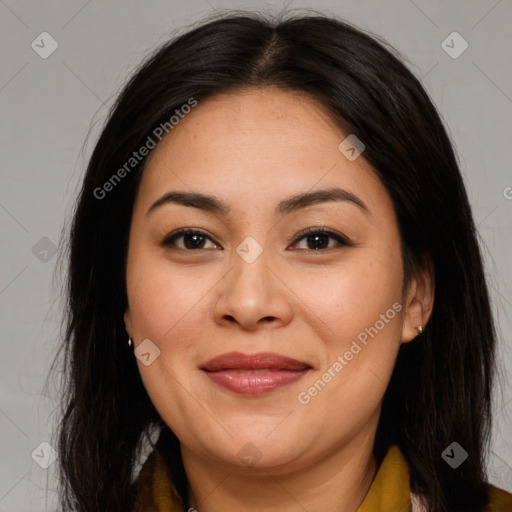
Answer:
(253, 295)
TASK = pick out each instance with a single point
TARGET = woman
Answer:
(274, 270)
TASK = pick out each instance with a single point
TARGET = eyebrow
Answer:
(214, 205)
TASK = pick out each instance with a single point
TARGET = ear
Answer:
(128, 321)
(419, 300)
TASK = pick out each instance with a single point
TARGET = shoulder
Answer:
(499, 500)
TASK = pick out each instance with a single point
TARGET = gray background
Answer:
(49, 106)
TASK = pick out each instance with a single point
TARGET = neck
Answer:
(338, 482)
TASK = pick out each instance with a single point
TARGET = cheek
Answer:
(165, 300)
(360, 305)
(353, 296)
(167, 306)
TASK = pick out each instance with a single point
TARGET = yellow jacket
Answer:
(389, 491)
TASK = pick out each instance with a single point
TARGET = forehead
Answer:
(256, 146)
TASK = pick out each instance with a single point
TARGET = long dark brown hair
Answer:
(441, 386)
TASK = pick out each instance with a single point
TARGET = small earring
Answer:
(419, 329)
(129, 341)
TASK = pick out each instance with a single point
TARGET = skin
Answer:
(252, 149)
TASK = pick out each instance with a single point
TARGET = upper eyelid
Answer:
(185, 231)
(340, 238)
(321, 229)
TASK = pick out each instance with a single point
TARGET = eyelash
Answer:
(342, 241)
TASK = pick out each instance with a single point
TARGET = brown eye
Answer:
(319, 238)
(192, 240)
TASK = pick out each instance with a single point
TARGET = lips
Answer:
(254, 374)
(263, 360)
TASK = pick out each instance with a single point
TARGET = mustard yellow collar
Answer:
(389, 491)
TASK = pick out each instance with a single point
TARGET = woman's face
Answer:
(244, 282)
